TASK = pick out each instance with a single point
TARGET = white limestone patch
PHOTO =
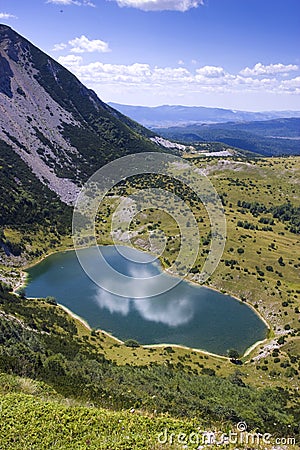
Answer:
(168, 144)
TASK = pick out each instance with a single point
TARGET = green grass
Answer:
(34, 417)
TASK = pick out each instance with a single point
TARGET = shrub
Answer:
(51, 300)
(233, 354)
(169, 350)
(280, 261)
(208, 371)
(22, 293)
(132, 343)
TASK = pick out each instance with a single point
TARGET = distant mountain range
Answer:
(269, 137)
(167, 115)
(267, 133)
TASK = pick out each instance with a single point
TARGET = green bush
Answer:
(132, 343)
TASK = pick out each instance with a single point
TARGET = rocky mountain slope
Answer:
(60, 129)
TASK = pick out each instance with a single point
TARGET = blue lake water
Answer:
(187, 314)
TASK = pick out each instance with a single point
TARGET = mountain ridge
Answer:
(179, 115)
(55, 124)
(275, 137)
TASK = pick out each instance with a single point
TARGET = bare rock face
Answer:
(5, 77)
(31, 121)
(58, 127)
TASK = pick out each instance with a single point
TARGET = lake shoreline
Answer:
(24, 281)
(162, 345)
(119, 341)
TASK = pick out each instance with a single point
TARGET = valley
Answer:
(242, 272)
(54, 134)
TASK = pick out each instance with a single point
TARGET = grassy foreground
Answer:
(33, 416)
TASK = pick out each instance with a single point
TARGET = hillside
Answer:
(54, 133)
(178, 115)
(60, 129)
(270, 137)
(65, 370)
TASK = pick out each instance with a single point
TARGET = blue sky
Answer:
(240, 54)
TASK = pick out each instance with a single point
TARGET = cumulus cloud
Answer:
(7, 16)
(179, 80)
(99, 71)
(161, 5)
(58, 47)
(83, 44)
(271, 69)
(170, 73)
(291, 86)
(211, 71)
(172, 311)
(70, 61)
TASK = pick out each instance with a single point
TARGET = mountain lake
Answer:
(187, 314)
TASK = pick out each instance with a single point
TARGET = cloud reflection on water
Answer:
(169, 311)
(172, 308)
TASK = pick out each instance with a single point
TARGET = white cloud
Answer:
(64, 2)
(170, 81)
(7, 16)
(72, 2)
(170, 73)
(99, 71)
(271, 69)
(291, 86)
(70, 61)
(82, 44)
(211, 71)
(58, 47)
(88, 3)
(161, 5)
